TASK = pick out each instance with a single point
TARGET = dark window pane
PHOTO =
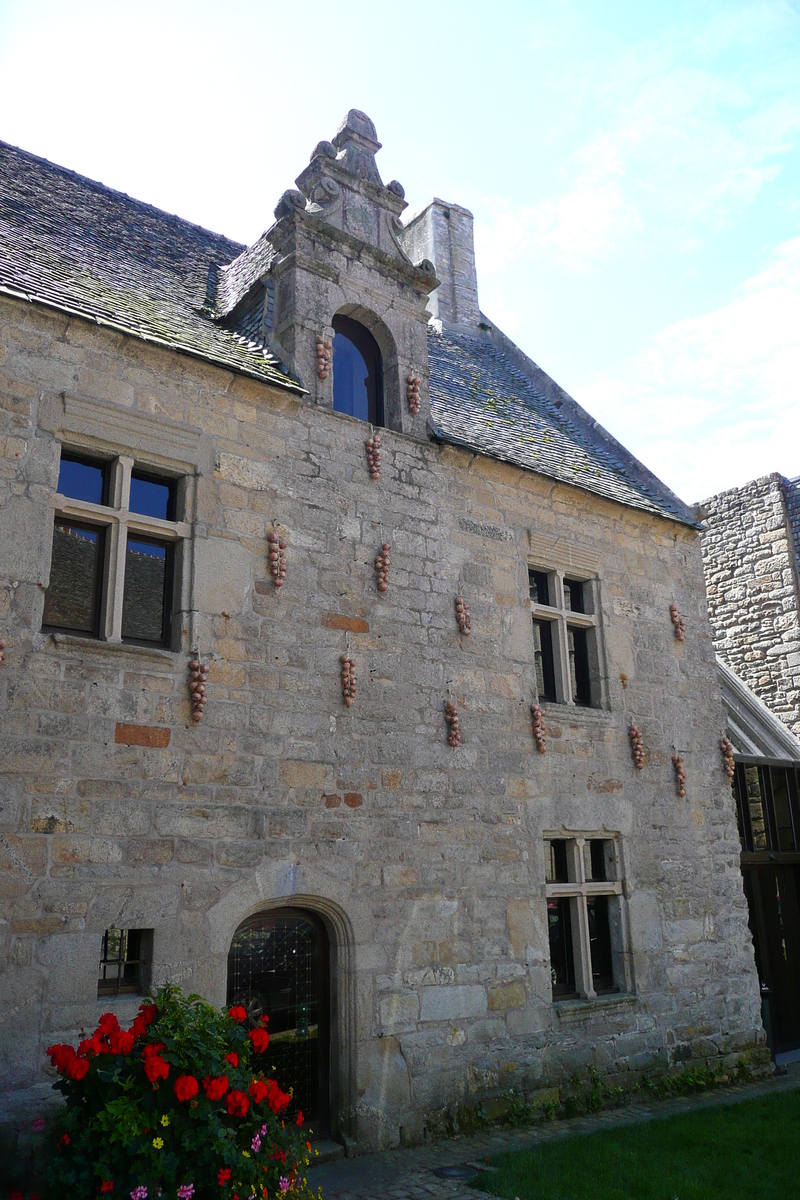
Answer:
(357, 372)
(82, 479)
(783, 812)
(124, 957)
(72, 601)
(600, 944)
(597, 861)
(539, 587)
(562, 964)
(741, 815)
(557, 862)
(573, 596)
(147, 597)
(579, 666)
(543, 659)
(755, 806)
(152, 496)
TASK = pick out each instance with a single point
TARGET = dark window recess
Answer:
(125, 958)
(72, 599)
(562, 963)
(600, 944)
(597, 860)
(357, 372)
(543, 659)
(573, 596)
(578, 644)
(767, 808)
(539, 587)
(152, 496)
(83, 479)
(147, 598)
(557, 866)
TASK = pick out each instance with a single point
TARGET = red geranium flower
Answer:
(258, 1090)
(232, 1058)
(108, 1023)
(76, 1068)
(237, 1014)
(60, 1055)
(260, 1039)
(237, 1104)
(107, 1185)
(121, 1042)
(299, 1120)
(223, 1175)
(149, 1012)
(64, 1139)
(216, 1087)
(155, 1068)
(186, 1087)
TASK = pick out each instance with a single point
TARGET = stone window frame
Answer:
(117, 520)
(578, 890)
(561, 618)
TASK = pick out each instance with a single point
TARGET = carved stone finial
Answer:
(323, 150)
(397, 188)
(290, 200)
(357, 143)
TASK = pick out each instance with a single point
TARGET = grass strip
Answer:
(747, 1150)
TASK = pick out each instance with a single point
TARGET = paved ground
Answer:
(408, 1174)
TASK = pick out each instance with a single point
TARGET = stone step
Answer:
(326, 1151)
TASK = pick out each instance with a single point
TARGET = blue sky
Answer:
(633, 168)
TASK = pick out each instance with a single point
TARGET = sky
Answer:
(633, 168)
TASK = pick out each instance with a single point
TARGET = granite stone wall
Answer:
(750, 557)
(426, 863)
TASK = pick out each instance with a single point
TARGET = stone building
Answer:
(429, 924)
(751, 552)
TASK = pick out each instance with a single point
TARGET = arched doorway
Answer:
(279, 966)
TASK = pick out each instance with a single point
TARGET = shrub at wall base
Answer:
(184, 1105)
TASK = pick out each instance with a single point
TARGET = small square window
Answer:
(82, 478)
(573, 596)
(125, 957)
(539, 586)
(152, 496)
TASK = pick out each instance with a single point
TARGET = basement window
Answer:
(125, 958)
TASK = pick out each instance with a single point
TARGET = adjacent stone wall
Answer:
(751, 567)
(426, 863)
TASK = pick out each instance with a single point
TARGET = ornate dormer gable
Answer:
(334, 255)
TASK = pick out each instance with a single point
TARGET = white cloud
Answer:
(714, 400)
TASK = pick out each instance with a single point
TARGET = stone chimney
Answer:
(443, 233)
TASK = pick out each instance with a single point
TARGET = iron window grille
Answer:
(125, 957)
(115, 541)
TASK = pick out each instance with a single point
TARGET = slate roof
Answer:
(76, 245)
(482, 399)
(80, 247)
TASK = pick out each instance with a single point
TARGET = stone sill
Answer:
(72, 641)
(570, 1011)
(574, 714)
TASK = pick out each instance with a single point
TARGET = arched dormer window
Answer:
(357, 372)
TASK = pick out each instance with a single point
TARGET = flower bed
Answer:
(181, 1105)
